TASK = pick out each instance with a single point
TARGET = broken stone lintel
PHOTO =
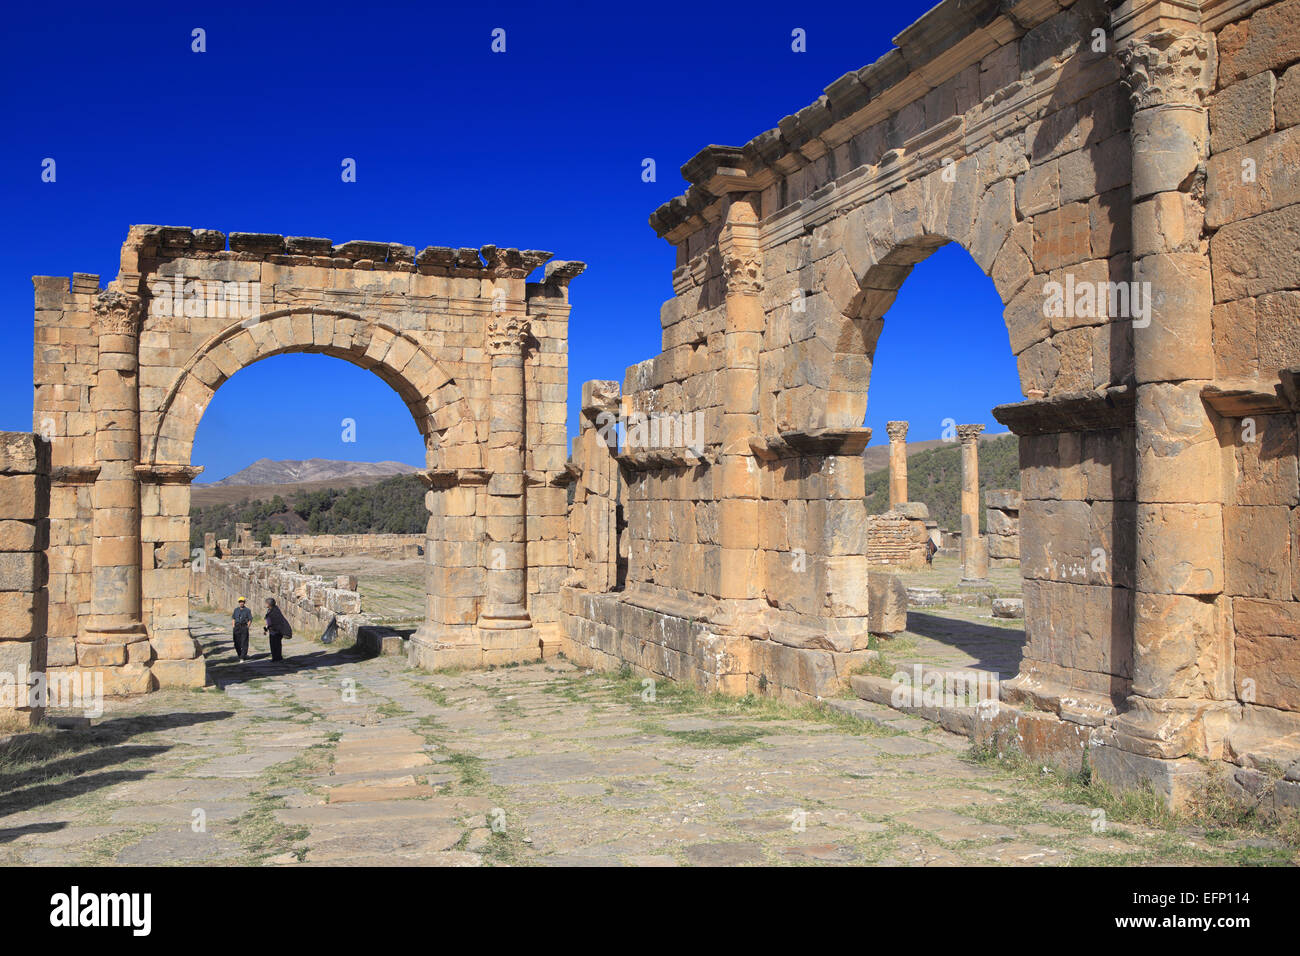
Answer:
(649, 459)
(1236, 398)
(512, 263)
(453, 477)
(600, 396)
(164, 474)
(816, 441)
(560, 272)
(1069, 412)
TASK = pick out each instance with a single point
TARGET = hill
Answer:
(264, 471)
(205, 496)
(934, 477)
(876, 457)
(390, 506)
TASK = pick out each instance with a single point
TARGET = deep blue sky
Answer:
(539, 147)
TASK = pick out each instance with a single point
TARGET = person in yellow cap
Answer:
(242, 618)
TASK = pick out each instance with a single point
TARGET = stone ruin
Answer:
(392, 546)
(1157, 431)
(1002, 520)
(897, 537)
(310, 601)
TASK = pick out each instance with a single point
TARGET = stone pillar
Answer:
(505, 604)
(24, 597)
(165, 581)
(738, 492)
(1177, 704)
(114, 633)
(974, 550)
(897, 463)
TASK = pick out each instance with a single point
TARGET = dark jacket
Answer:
(242, 618)
(275, 622)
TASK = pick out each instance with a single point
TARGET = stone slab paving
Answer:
(330, 760)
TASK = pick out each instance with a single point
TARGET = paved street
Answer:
(327, 759)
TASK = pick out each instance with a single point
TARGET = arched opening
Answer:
(942, 476)
(313, 499)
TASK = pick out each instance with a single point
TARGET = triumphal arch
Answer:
(124, 374)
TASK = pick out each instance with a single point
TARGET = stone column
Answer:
(737, 487)
(505, 604)
(1177, 704)
(974, 550)
(897, 463)
(114, 633)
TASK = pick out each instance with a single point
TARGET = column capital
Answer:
(507, 333)
(968, 433)
(897, 430)
(118, 312)
(1168, 67)
(742, 270)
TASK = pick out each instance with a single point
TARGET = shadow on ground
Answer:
(76, 762)
(993, 648)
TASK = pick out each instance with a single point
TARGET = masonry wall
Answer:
(790, 251)
(335, 545)
(24, 597)
(1252, 200)
(1002, 523)
(894, 540)
(309, 602)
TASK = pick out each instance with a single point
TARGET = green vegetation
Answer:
(934, 477)
(1221, 819)
(392, 506)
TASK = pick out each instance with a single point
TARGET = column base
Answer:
(112, 632)
(1169, 728)
(180, 673)
(441, 648)
(504, 617)
(1175, 780)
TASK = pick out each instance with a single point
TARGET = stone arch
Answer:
(882, 242)
(439, 409)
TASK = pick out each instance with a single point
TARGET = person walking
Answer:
(242, 618)
(276, 628)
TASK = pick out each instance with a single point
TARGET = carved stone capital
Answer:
(118, 313)
(969, 433)
(507, 333)
(743, 272)
(897, 430)
(1168, 68)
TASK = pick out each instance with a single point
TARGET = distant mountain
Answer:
(264, 471)
(877, 456)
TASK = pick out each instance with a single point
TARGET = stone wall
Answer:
(1247, 453)
(343, 545)
(309, 601)
(24, 598)
(1002, 525)
(1158, 541)
(895, 539)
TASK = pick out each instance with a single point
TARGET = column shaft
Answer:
(974, 551)
(115, 498)
(505, 559)
(1178, 632)
(897, 463)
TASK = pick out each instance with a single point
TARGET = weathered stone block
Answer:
(887, 612)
